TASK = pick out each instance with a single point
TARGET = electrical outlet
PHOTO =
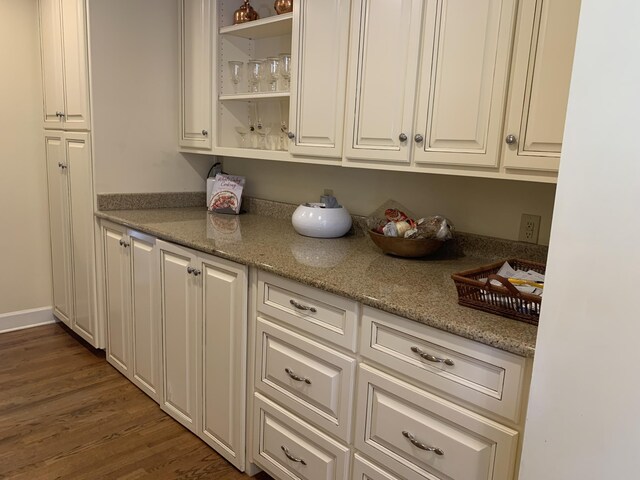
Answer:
(328, 191)
(529, 228)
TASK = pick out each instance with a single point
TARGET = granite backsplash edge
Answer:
(467, 244)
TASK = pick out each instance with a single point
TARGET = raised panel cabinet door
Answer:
(60, 228)
(180, 333)
(196, 84)
(320, 41)
(383, 52)
(145, 319)
(541, 75)
(463, 81)
(78, 153)
(224, 335)
(76, 72)
(117, 298)
(51, 59)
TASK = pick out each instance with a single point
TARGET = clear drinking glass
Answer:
(243, 132)
(256, 74)
(273, 72)
(235, 68)
(285, 70)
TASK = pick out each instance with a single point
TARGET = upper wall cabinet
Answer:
(64, 64)
(318, 81)
(540, 84)
(196, 89)
(427, 81)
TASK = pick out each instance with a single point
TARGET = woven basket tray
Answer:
(505, 300)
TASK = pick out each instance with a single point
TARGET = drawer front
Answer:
(482, 376)
(308, 378)
(363, 469)
(322, 314)
(287, 447)
(412, 431)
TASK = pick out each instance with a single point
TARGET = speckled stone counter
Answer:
(352, 266)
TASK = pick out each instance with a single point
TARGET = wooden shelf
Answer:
(254, 96)
(252, 153)
(273, 26)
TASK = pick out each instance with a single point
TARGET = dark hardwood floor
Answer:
(65, 413)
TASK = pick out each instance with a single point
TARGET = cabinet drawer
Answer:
(479, 375)
(363, 469)
(309, 378)
(325, 315)
(287, 447)
(412, 431)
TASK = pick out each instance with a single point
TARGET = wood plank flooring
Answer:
(65, 413)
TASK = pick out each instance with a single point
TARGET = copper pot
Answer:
(283, 6)
(245, 13)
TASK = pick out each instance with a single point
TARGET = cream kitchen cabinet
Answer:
(131, 301)
(318, 81)
(405, 400)
(70, 187)
(540, 78)
(64, 64)
(427, 82)
(196, 74)
(204, 329)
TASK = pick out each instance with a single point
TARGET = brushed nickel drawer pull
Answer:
(299, 306)
(421, 445)
(432, 358)
(297, 377)
(291, 457)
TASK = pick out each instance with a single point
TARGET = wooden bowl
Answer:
(405, 247)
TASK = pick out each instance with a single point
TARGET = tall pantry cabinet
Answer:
(69, 164)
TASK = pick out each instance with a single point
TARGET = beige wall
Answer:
(25, 272)
(134, 67)
(482, 206)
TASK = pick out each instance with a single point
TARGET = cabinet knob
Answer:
(291, 135)
(511, 140)
(59, 114)
(196, 272)
(190, 270)
(402, 137)
(204, 133)
(62, 165)
(418, 138)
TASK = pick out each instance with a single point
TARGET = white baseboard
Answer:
(26, 319)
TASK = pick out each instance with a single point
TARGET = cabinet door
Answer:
(384, 46)
(195, 74)
(224, 322)
(117, 298)
(540, 83)
(145, 321)
(75, 72)
(463, 81)
(51, 58)
(78, 153)
(180, 333)
(57, 171)
(320, 45)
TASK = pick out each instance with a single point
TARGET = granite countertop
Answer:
(352, 266)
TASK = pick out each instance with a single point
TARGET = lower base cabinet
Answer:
(131, 301)
(412, 393)
(203, 303)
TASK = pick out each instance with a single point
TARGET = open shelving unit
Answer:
(266, 37)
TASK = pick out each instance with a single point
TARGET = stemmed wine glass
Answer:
(285, 70)
(256, 74)
(235, 68)
(273, 72)
(243, 132)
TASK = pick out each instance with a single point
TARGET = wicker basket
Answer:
(505, 300)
